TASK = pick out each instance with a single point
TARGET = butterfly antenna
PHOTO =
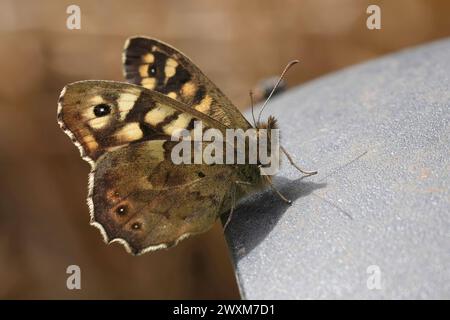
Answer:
(288, 66)
(292, 162)
(252, 104)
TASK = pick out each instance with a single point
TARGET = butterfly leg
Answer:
(306, 173)
(233, 200)
(233, 203)
(276, 190)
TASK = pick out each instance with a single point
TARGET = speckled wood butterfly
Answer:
(137, 195)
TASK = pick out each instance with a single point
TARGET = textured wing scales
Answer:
(141, 199)
(100, 116)
(160, 67)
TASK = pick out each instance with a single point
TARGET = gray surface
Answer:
(379, 135)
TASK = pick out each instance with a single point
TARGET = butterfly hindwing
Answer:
(102, 115)
(160, 67)
(141, 199)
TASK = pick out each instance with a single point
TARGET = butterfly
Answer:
(137, 196)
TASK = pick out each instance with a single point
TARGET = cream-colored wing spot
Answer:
(148, 58)
(149, 83)
(129, 132)
(126, 101)
(93, 121)
(158, 114)
(170, 68)
(188, 89)
(95, 100)
(181, 122)
(90, 143)
(98, 123)
(204, 105)
(143, 70)
(172, 95)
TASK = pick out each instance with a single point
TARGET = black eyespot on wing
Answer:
(121, 210)
(102, 110)
(136, 226)
(152, 70)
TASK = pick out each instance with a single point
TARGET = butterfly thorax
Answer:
(249, 175)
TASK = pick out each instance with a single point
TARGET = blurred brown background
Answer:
(44, 220)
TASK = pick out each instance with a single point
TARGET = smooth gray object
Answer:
(379, 135)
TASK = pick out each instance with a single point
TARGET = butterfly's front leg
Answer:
(233, 204)
(269, 182)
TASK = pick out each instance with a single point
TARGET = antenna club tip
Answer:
(290, 64)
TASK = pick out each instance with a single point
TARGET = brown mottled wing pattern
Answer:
(142, 200)
(160, 67)
(137, 195)
(102, 115)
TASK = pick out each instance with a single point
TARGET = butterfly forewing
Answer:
(102, 115)
(160, 67)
